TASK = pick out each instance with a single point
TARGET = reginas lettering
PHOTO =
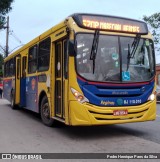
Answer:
(107, 103)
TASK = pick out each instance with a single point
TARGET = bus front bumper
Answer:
(87, 114)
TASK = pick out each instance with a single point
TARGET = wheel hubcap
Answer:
(46, 111)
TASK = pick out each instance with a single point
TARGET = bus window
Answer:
(18, 68)
(44, 55)
(65, 59)
(24, 60)
(32, 59)
(11, 67)
(141, 65)
(58, 60)
(107, 60)
(6, 69)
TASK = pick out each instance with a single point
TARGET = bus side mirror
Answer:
(71, 48)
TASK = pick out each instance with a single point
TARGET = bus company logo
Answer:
(107, 103)
(143, 89)
(119, 101)
(33, 84)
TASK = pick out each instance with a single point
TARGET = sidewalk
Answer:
(4, 101)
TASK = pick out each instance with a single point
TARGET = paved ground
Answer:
(22, 132)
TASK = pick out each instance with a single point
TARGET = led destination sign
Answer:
(111, 26)
(111, 23)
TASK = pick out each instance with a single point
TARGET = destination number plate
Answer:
(120, 112)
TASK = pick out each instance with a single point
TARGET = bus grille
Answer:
(108, 114)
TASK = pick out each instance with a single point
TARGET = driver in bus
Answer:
(108, 62)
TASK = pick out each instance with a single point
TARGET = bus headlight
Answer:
(81, 98)
(152, 96)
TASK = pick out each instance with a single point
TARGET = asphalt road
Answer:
(22, 132)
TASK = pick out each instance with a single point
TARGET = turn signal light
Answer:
(79, 96)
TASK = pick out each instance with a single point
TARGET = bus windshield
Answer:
(113, 61)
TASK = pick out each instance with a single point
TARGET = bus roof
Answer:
(93, 21)
(37, 39)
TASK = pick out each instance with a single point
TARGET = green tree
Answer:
(1, 63)
(5, 7)
(153, 22)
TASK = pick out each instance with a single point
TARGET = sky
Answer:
(30, 18)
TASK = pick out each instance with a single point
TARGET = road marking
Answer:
(158, 116)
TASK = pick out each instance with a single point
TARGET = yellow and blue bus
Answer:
(87, 70)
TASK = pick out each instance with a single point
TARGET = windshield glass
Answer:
(113, 62)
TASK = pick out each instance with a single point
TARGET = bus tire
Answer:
(45, 112)
(13, 105)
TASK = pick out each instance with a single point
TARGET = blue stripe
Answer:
(102, 95)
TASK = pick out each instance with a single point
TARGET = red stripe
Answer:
(115, 84)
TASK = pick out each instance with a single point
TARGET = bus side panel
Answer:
(31, 93)
(7, 87)
(23, 92)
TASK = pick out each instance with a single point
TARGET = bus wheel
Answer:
(13, 105)
(45, 112)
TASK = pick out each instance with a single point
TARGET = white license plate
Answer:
(120, 112)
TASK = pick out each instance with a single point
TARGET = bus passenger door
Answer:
(60, 83)
(23, 82)
(17, 80)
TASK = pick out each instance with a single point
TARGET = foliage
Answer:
(1, 63)
(153, 22)
(5, 7)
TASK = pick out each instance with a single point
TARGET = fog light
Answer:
(79, 96)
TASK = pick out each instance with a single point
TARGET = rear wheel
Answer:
(13, 105)
(45, 112)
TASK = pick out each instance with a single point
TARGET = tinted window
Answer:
(32, 59)
(122, 59)
(58, 60)
(6, 69)
(140, 66)
(9, 68)
(44, 55)
(24, 60)
(107, 63)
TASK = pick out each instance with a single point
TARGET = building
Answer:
(158, 74)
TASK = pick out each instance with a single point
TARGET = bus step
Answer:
(59, 119)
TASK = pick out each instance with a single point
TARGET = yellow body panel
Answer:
(86, 114)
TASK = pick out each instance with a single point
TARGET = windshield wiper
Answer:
(132, 50)
(94, 48)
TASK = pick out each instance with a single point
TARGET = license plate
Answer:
(120, 112)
